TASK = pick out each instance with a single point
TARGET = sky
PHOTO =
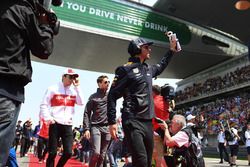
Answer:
(45, 75)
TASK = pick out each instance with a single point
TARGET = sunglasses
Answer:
(72, 77)
(106, 82)
(145, 47)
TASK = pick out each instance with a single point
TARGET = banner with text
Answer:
(122, 17)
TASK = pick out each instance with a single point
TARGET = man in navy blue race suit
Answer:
(133, 82)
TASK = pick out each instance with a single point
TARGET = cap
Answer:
(189, 117)
(134, 46)
(70, 71)
(140, 41)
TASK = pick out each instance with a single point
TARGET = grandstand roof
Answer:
(221, 15)
(218, 15)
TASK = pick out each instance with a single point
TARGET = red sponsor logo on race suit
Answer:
(63, 100)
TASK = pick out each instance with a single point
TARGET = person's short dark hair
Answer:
(156, 89)
(100, 78)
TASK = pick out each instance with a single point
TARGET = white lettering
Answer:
(101, 13)
(147, 24)
(76, 7)
(69, 5)
(119, 18)
(91, 11)
(129, 20)
(83, 8)
(140, 23)
(110, 15)
(156, 27)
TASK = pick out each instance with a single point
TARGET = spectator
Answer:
(85, 151)
(43, 139)
(126, 155)
(76, 142)
(115, 147)
(26, 138)
(222, 144)
(19, 130)
(57, 108)
(35, 138)
(133, 82)
(22, 31)
(95, 122)
(234, 146)
(196, 125)
(247, 136)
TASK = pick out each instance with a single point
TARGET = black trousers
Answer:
(64, 132)
(139, 134)
(222, 149)
(16, 143)
(25, 145)
(42, 147)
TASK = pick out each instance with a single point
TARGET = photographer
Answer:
(163, 106)
(22, 29)
(57, 108)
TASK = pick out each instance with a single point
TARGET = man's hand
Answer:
(173, 41)
(51, 121)
(76, 81)
(163, 125)
(86, 134)
(113, 131)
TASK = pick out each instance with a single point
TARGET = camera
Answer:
(46, 4)
(73, 77)
(159, 130)
(167, 92)
(43, 7)
(158, 120)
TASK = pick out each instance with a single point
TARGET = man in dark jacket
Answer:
(26, 138)
(21, 31)
(133, 82)
(95, 123)
(19, 130)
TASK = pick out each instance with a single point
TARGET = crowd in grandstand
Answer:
(236, 109)
(213, 84)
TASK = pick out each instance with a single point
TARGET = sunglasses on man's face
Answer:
(72, 77)
(106, 82)
(145, 47)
